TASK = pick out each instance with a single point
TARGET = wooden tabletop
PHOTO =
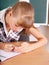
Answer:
(37, 57)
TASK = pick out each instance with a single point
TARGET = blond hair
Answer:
(23, 8)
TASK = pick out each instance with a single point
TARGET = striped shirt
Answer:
(12, 36)
(9, 36)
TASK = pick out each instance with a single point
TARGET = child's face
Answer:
(14, 26)
(14, 21)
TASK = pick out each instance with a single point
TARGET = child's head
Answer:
(22, 15)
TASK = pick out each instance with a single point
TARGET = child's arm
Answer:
(26, 46)
(29, 46)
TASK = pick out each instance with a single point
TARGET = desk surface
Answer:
(37, 57)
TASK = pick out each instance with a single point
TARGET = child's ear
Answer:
(10, 13)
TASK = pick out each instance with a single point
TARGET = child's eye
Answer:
(16, 25)
(28, 18)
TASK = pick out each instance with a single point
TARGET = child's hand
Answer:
(9, 47)
(17, 49)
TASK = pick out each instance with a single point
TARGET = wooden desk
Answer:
(37, 57)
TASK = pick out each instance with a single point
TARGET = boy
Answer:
(16, 19)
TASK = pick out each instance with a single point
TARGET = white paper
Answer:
(6, 55)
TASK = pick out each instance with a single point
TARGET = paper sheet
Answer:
(5, 55)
